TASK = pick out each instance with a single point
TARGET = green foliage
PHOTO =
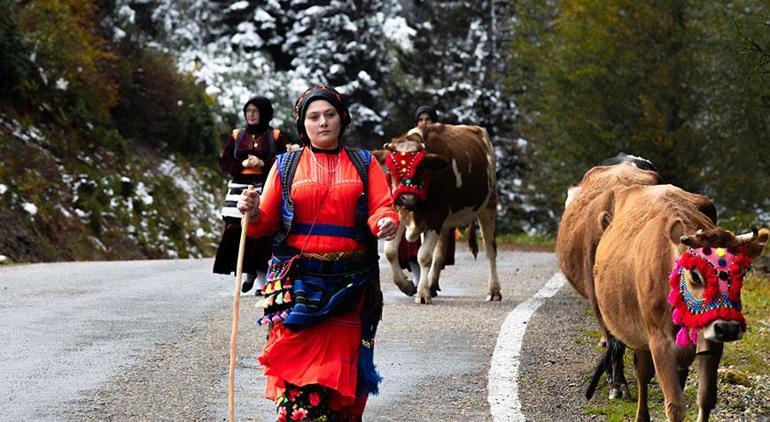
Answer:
(164, 108)
(545, 241)
(662, 79)
(14, 64)
(68, 51)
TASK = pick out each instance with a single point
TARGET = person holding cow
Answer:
(326, 204)
(247, 156)
(407, 251)
(464, 155)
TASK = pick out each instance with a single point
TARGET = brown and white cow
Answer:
(580, 230)
(443, 176)
(667, 279)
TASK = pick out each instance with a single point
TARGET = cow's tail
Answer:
(614, 351)
(473, 243)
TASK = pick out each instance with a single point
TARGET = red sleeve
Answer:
(380, 200)
(269, 207)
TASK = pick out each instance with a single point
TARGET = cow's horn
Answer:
(387, 146)
(746, 237)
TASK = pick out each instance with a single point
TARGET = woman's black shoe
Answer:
(248, 283)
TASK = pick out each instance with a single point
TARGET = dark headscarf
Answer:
(426, 109)
(265, 114)
(319, 92)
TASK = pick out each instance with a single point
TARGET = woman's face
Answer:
(252, 115)
(322, 123)
(423, 120)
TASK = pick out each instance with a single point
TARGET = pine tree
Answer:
(457, 66)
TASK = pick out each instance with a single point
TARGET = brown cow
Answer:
(658, 290)
(579, 233)
(443, 176)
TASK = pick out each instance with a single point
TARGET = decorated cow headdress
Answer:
(410, 164)
(706, 286)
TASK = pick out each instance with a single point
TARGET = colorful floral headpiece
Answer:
(403, 168)
(721, 274)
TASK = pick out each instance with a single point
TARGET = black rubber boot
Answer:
(248, 283)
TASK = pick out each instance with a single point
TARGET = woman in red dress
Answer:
(326, 205)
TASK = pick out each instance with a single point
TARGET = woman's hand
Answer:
(387, 228)
(248, 204)
(252, 162)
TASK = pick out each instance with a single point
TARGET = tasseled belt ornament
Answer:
(277, 301)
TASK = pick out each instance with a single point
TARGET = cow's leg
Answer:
(619, 387)
(425, 258)
(707, 381)
(665, 360)
(487, 223)
(391, 253)
(439, 260)
(618, 383)
(643, 369)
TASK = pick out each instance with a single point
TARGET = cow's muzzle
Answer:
(407, 200)
(723, 331)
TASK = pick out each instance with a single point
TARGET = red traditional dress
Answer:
(325, 190)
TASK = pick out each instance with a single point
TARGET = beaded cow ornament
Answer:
(705, 286)
(403, 168)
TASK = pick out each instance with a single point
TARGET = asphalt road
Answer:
(149, 340)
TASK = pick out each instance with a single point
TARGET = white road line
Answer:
(504, 370)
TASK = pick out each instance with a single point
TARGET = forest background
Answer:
(112, 113)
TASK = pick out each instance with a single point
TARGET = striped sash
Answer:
(234, 191)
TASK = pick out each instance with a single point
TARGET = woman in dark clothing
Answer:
(407, 251)
(247, 158)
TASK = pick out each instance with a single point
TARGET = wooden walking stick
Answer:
(236, 304)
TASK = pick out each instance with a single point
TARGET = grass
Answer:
(536, 241)
(741, 360)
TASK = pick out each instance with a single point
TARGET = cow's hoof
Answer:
(495, 297)
(624, 392)
(407, 288)
(434, 291)
(423, 299)
(619, 393)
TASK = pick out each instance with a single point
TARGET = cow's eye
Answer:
(696, 278)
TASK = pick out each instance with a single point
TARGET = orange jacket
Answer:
(311, 182)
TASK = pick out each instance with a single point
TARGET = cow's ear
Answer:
(675, 232)
(433, 162)
(380, 155)
(605, 218)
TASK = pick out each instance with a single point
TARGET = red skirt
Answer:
(325, 354)
(407, 251)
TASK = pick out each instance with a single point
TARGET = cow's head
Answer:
(410, 166)
(706, 285)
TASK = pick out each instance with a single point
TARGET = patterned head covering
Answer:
(319, 92)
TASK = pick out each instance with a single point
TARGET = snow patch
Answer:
(239, 5)
(397, 30)
(62, 84)
(143, 194)
(29, 208)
